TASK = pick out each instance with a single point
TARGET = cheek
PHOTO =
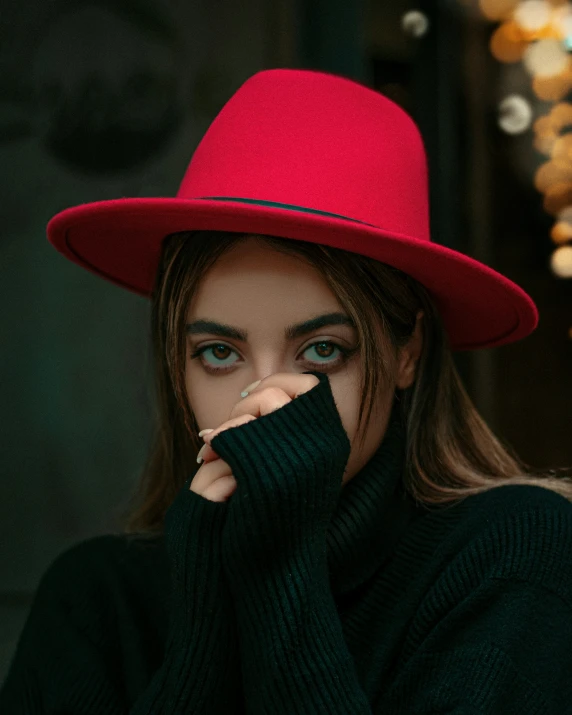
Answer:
(345, 389)
(361, 453)
(211, 407)
(199, 402)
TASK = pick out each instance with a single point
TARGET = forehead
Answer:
(253, 277)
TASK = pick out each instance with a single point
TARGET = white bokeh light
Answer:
(415, 23)
(561, 262)
(546, 58)
(562, 19)
(515, 114)
(533, 15)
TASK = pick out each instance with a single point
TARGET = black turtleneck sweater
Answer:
(302, 596)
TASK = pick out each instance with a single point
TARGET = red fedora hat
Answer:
(309, 156)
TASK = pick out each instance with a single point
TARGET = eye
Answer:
(220, 352)
(324, 346)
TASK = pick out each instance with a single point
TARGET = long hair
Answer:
(451, 453)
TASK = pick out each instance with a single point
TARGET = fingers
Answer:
(235, 422)
(292, 385)
(207, 454)
(273, 392)
(260, 403)
(221, 490)
(214, 481)
(207, 473)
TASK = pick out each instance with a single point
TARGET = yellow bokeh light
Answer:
(545, 125)
(561, 232)
(545, 135)
(543, 143)
(550, 173)
(557, 197)
(507, 43)
(562, 114)
(562, 149)
(497, 9)
(547, 130)
(548, 32)
(552, 89)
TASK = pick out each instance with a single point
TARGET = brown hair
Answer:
(451, 453)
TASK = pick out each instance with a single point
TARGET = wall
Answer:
(97, 100)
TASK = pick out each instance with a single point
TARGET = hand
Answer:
(214, 480)
(289, 468)
(273, 392)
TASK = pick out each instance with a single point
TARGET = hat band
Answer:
(290, 207)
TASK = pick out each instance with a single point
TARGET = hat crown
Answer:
(316, 141)
(312, 157)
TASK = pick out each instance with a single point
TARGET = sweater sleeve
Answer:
(63, 659)
(503, 649)
(288, 466)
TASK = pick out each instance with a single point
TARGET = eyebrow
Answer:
(291, 333)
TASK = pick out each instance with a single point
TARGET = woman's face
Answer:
(261, 292)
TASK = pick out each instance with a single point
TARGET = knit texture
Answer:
(302, 596)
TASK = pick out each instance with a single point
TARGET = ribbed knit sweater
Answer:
(300, 596)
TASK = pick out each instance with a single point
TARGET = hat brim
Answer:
(120, 240)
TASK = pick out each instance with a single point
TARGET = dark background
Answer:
(106, 99)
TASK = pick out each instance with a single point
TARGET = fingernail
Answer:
(201, 452)
(250, 387)
(205, 431)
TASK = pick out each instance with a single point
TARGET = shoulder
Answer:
(99, 563)
(525, 510)
(521, 496)
(519, 532)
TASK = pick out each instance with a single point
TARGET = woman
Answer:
(352, 538)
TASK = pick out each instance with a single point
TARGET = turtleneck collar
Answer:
(372, 513)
